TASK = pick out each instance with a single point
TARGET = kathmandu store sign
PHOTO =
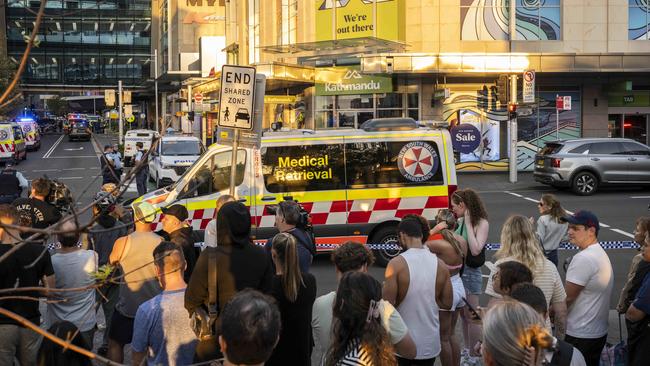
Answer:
(348, 81)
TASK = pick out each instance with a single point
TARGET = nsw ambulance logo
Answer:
(417, 161)
(3, 135)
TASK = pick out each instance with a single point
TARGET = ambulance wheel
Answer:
(385, 235)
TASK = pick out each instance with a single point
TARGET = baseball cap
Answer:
(104, 200)
(585, 218)
(144, 211)
(178, 211)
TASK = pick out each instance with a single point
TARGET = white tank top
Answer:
(419, 308)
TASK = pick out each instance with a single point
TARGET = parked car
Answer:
(589, 163)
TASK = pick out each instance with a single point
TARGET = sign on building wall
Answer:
(529, 86)
(354, 19)
(349, 80)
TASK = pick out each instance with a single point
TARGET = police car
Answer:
(356, 184)
(173, 155)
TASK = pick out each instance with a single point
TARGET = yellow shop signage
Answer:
(354, 19)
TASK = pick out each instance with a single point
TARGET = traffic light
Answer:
(190, 116)
(502, 89)
(512, 111)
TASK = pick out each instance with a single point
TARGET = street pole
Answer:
(155, 83)
(557, 119)
(233, 161)
(513, 132)
(119, 113)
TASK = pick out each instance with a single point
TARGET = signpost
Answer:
(198, 99)
(561, 103)
(236, 107)
(529, 86)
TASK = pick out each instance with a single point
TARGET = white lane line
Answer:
(51, 150)
(74, 169)
(61, 178)
(45, 170)
(72, 157)
(623, 233)
(635, 197)
(619, 231)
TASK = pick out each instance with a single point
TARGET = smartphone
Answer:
(472, 310)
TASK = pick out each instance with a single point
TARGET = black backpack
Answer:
(563, 354)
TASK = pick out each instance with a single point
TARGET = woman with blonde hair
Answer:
(295, 293)
(450, 248)
(519, 243)
(550, 229)
(514, 335)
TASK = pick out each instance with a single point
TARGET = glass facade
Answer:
(638, 20)
(352, 110)
(86, 42)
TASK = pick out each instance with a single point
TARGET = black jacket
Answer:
(184, 238)
(238, 267)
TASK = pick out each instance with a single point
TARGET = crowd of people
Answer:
(177, 304)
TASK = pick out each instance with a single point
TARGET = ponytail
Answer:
(286, 248)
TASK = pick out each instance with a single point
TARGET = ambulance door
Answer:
(310, 171)
(208, 179)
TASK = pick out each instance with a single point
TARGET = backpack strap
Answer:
(212, 281)
(563, 354)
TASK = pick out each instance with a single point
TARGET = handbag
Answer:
(202, 321)
(473, 261)
(615, 354)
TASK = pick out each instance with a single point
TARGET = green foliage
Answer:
(102, 273)
(57, 106)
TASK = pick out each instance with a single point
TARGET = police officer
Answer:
(141, 175)
(12, 183)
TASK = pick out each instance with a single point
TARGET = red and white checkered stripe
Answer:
(29, 138)
(366, 211)
(6, 148)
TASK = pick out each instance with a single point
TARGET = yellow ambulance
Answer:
(356, 184)
(12, 143)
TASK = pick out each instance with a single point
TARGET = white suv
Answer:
(172, 157)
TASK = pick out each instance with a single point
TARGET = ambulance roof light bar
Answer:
(389, 124)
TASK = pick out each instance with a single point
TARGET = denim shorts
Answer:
(472, 280)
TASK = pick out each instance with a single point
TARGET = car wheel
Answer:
(385, 235)
(25, 155)
(585, 184)
(158, 183)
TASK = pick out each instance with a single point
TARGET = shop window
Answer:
(214, 175)
(392, 100)
(303, 168)
(538, 20)
(355, 101)
(638, 20)
(380, 164)
(473, 16)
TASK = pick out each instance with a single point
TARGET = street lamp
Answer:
(155, 67)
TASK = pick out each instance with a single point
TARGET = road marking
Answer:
(51, 150)
(623, 233)
(72, 157)
(61, 178)
(45, 170)
(75, 169)
(635, 197)
(619, 231)
(75, 149)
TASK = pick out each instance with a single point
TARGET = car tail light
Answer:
(555, 162)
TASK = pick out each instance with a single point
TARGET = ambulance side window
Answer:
(303, 168)
(18, 134)
(393, 164)
(214, 175)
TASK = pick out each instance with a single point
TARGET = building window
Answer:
(288, 22)
(638, 20)
(538, 20)
(253, 31)
(352, 110)
(484, 21)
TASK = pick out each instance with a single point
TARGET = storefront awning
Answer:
(338, 46)
(278, 76)
(503, 63)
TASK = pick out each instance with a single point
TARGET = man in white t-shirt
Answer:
(354, 257)
(589, 282)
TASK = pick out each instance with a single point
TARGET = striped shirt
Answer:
(355, 355)
(545, 276)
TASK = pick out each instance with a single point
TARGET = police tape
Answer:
(607, 245)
